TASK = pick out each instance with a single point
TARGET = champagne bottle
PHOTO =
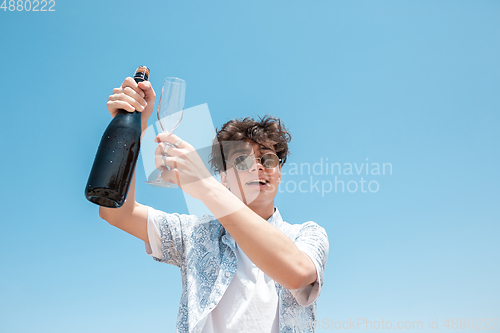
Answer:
(115, 160)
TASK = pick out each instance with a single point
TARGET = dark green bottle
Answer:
(116, 157)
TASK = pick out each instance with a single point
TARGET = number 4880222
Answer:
(28, 5)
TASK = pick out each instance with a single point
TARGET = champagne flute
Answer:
(169, 114)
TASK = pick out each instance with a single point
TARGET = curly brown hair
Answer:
(268, 131)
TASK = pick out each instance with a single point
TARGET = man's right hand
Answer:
(132, 96)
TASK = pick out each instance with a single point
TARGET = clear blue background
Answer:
(411, 83)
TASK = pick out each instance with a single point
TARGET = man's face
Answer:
(245, 184)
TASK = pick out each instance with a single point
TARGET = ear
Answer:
(223, 179)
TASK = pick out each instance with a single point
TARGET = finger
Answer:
(138, 97)
(148, 90)
(130, 82)
(159, 164)
(162, 161)
(120, 105)
(161, 149)
(172, 139)
(127, 85)
(128, 99)
(164, 149)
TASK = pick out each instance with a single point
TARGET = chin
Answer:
(259, 197)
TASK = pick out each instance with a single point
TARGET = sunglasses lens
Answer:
(243, 162)
(269, 161)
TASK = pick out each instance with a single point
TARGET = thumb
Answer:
(148, 91)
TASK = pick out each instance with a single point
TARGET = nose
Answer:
(256, 165)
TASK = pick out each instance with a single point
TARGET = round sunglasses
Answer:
(244, 162)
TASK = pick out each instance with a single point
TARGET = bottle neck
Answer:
(139, 77)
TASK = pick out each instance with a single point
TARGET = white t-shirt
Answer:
(250, 303)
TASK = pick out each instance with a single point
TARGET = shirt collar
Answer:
(275, 219)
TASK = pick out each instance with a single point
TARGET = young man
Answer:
(243, 269)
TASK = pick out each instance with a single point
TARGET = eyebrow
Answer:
(246, 149)
(240, 151)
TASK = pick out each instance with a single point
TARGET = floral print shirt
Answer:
(205, 254)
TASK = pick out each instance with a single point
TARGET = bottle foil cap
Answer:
(142, 70)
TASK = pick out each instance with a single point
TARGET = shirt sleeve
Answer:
(165, 237)
(313, 241)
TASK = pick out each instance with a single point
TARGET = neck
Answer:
(263, 211)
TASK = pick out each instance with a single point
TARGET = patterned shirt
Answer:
(205, 254)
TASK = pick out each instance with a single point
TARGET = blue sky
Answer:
(410, 83)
